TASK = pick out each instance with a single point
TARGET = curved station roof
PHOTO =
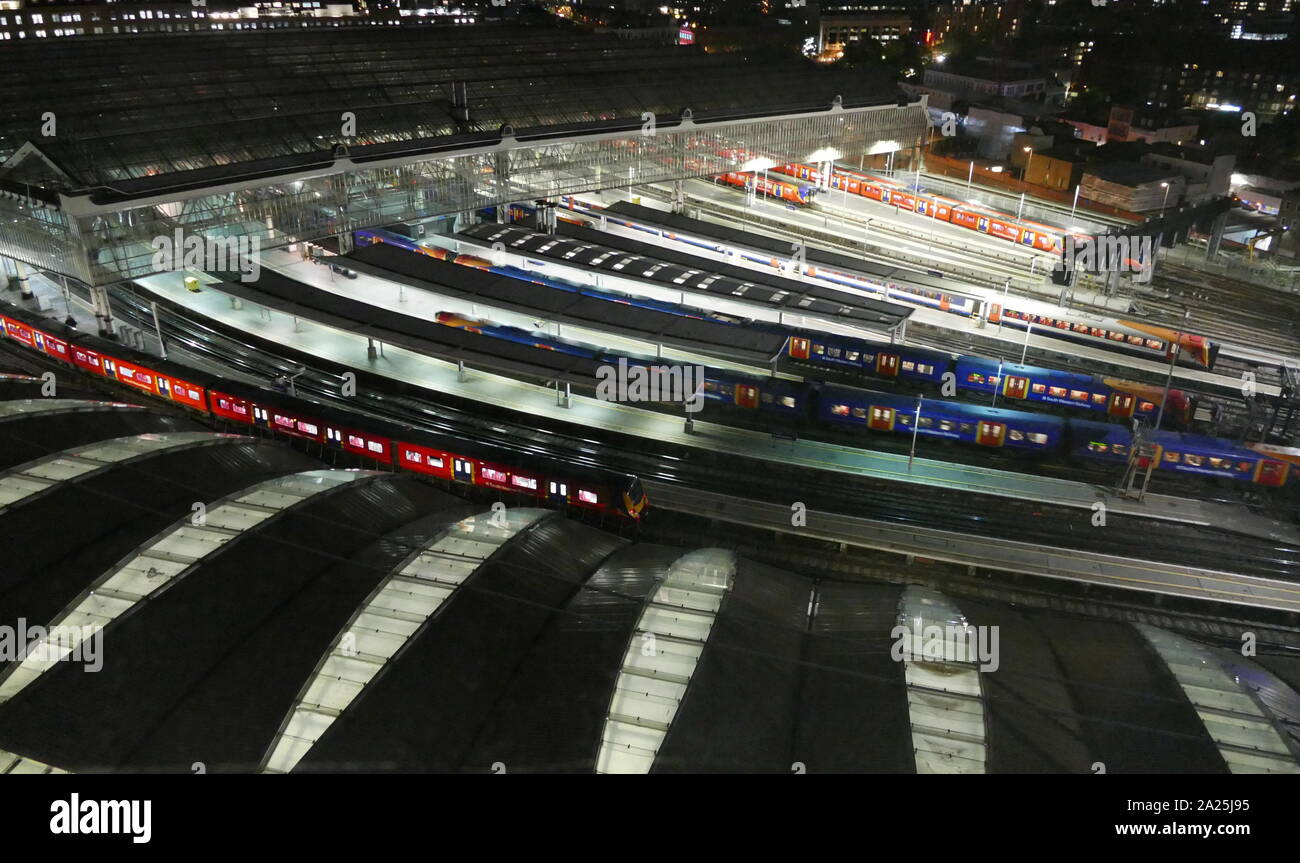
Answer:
(225, 600)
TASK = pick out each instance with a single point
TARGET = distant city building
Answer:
(23, 19)
(1001, 19)
(1132, 186)
(1125, 124)
(1207, 176)
(974, 79)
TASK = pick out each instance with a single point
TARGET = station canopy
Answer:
(285, 135)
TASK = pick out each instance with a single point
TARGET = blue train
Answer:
(1041, 387)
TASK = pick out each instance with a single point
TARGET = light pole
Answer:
(1076, 201)
(1164, 186)
(1021, 211)
(916, 427)
(970, 176)
(998, 384)
(1028, 162)
(1173, 358)
(1029, 328)
(1006, 286)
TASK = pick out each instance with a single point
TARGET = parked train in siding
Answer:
(548, 481)
(933, 290)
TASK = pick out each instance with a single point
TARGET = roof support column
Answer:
(103, 312)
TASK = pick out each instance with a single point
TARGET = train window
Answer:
(1081, 328)
(356, 441)
(975, 378)
(1115, 337)
(1135, 340)
(1220, 464)
(965, 428)
(818, 348)
(1037, 438)
(1097, 447)
(1078, 395)
(905, 419)
(710, 386)
(851, 356)
(1056, 392)
(1038, 389)
(833, 352)
(1244, 465)
(1120, 449)
(524, 482)
(926, 422)
(1172, 457)
(909, 366)
(1063, 325)
(1193, 460)
(860, 413)
(994, 380)
(1098, 332)
(308, 428)
(493, 474)
(766, 398)
(1155, 345)
(587, 496)
(946, 425)
(1099, 398)
(434, 461)
(840, 410)
(412, 455)
(788, 402)
(925, 369)
(1146, 407)
(374, 446)
(1015, 434)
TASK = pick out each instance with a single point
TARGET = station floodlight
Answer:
(825, 154)
(759, 164)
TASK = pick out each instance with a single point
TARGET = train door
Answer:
(887, 364)
(995, 313)
(1121, 405)
(462, 469)
(1271, 472)
(799, 348)
(991, 434)
(261, 416)
(882, 419)
(982, 225)
(557, 492)
(945, 302)
(1015, 387)
(746, 396)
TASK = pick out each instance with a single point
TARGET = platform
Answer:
(350, 349)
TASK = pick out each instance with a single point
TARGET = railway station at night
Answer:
(541, 388)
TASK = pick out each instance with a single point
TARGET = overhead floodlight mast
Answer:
(759, 164)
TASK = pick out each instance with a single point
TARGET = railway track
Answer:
(851, 495)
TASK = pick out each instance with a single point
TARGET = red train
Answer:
(1041, 237)
(549, 481)
(795, 193)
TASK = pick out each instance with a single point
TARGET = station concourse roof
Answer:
(129, 113)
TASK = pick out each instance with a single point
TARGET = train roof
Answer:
(1063, 377)
(962, 410)
(929, 279)
(707, 336)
